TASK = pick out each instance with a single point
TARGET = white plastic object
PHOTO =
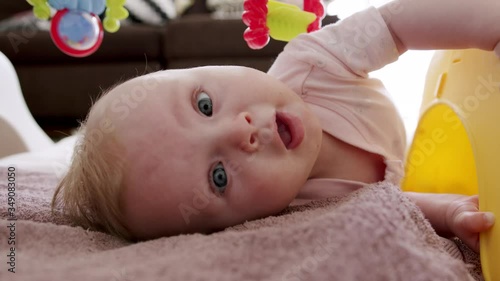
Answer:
(19, 131)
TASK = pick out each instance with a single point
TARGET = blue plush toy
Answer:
(76, 28)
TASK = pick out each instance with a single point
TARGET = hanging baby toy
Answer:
(76, 28)
(281, 21)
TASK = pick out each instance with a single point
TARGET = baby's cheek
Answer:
(276, 194)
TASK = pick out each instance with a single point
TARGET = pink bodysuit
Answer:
(329, 70)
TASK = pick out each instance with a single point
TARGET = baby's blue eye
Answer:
(204, 104)
(219, 178)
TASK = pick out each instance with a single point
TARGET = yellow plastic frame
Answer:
(456, 145)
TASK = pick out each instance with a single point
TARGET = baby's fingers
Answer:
(475, 222)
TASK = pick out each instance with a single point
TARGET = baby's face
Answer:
(210, 147)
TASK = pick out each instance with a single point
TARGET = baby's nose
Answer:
(244, 134)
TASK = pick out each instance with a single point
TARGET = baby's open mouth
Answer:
(284, 132)
(290, 129)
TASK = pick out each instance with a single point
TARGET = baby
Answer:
(198, 150)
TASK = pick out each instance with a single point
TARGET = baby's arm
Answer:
(454, 215)
(447, 24)
(444, 24)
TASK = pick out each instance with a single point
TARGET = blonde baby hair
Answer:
(89, 193)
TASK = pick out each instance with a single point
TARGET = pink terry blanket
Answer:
(375, 233)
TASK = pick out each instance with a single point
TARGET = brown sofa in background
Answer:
(58, 89)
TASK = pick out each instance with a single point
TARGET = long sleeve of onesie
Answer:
(329, 70)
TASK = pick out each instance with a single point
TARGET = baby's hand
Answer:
(466, 221)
